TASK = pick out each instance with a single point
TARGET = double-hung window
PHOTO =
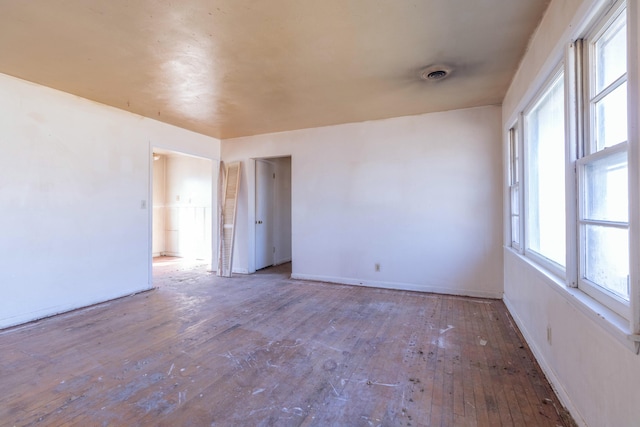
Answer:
(544, 137)
(568, 171)
(514, 187)
(602, 167)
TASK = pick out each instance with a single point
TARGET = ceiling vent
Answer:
(435, 73)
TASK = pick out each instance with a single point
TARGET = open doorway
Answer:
(182, 210)
(273, 212)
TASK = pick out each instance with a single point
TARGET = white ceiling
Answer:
(230, 68)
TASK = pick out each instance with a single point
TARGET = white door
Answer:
(265, 199)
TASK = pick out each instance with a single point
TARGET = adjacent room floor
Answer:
(264, 350)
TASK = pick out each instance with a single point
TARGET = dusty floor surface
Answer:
(264, 350)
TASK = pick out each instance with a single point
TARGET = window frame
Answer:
(623, 325)
(514, 141)
(598, 29)
(601, 294)
(558, 73)
(588, 152)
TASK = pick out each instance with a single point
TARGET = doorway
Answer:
(182, 209)
(273, 212)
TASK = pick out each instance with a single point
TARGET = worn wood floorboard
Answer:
(264, 350)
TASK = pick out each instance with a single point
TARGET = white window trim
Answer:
(624, 330)
(573, 134)
(545, 262)
(633, 131)
(514, 141)
(587, 153)
(602, 295)
(600, 27)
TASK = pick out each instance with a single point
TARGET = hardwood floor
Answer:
(265, 350)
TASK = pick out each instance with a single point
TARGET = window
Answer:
(514, 187)
(571, 176)
(545, 226)
(603, 191)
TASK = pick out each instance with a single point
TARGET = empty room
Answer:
(335, 213)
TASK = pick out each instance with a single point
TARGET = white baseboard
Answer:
(398, 286)
(556, 384)
(45, 312)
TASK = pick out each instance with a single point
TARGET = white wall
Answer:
(74, 176)
(596, 374)
(419, 195)
(596, 377)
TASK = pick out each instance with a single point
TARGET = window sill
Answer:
(614, 324)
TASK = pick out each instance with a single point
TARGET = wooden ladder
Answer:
(227, 205)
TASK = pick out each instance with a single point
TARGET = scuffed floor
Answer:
(264, 350)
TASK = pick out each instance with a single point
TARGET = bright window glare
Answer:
(606, 189)
(606, 199)
(607, 260)
(611, 54)
(611, 118)
(546, 193)
(514, 187)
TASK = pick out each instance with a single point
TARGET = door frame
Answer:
(251, 208)
(215, 167)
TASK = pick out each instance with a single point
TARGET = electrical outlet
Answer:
(377, 267)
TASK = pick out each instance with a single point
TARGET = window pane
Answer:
(515, 215)
(611, 54)
(606, 189)
(514, 187)
(515, 196)
(607, 258)
(611, 118)
(515, 230)
(545, 220)
(514, 156)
